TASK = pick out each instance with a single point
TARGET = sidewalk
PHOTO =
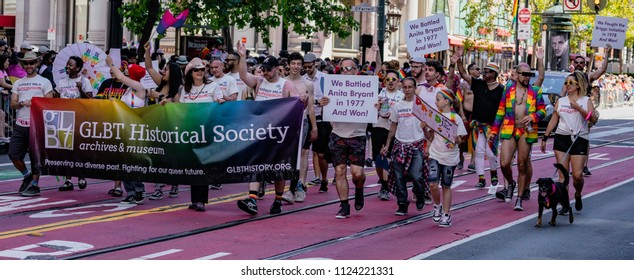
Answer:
(617, 113)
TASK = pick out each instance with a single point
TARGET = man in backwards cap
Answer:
(33, 85)
(270, 86)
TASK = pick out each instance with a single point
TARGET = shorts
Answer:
(439, 172)
(19, 143)
(379, 137)
(320, 145)
(306, 127)
(563, 143)
(350, 151)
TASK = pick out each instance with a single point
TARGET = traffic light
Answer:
(597, 5)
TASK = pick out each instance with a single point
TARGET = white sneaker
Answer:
(436, 213)
(288, 197)
(5, 139)
(445, 221)
(300, 196)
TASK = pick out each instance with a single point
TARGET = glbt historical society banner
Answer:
(177, 143)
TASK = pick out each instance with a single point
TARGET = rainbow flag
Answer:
(459, 95)
(514, 12)
(401, 74)
(168, 20)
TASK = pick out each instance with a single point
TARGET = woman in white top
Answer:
(569, 116)
(5, 90)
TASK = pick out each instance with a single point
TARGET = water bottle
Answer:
(529, 127)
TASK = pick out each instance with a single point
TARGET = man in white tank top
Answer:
(270, 86)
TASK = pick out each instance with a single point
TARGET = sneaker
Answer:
(471, 167)
(67, 186)
(494, 181)
(509, 192)
(156, 195)
(461, 165)
(215, 187)
(384, 195)
(358, 199)
(300, 195)
(427, 199)
(586, 171)
(578, 204)
(315, 181)
(82, 184)
(289, 197)
(248, 205)
(527, 194)
(501, 194)
(261, 190)
(481, 184)
(129, 200)
(174, 191)
(276, 208)
(344, 211)
(5, 140)
(368, 162)
(436, 214)
(445, 221)
(420, 202)
(139, 197)
(402, 209)
(31, 190)
(324, 186)
(518, 205)
(200, 207)
(26, 182)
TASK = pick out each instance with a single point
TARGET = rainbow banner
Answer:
(514, 12)
(188, 144)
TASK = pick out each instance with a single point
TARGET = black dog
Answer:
(552, 193)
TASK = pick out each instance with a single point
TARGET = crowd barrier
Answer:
(613, 98)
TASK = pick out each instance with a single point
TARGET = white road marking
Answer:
(159, 254)
(214, 256)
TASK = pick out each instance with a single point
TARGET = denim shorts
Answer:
(439, 172)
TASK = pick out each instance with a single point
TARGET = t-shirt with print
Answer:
(408, 130)
(27, 88)
(392, 99)
(111, 88)
(199, 94)
(227, 85)
(67, 87)
(442, 150)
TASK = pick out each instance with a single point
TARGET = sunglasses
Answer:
(391, 79)
(579, 62)
(487, 72)
(477, 69)
(349, 68)
(526, 74)
(198, 69)
(571, 82)
(29, 62)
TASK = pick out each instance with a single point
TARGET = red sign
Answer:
(244, 40)
(524, 15)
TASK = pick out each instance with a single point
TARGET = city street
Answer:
(89, 224)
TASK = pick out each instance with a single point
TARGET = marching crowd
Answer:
(496, 115)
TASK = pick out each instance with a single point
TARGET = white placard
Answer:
(426, 35)
(115, 55)
(352, 98)
(147, 81)
(435, 120)
(609, 30)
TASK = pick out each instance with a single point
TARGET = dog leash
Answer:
(576, 136)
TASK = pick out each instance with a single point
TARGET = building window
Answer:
(460, 26)
(80, 15)
(352, 41)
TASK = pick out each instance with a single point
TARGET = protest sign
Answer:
(352, 98)
(426, 35)
(435, 120)
(609, 30)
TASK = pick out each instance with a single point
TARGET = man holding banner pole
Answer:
(270, 86)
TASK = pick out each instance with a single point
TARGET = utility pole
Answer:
(381, 23)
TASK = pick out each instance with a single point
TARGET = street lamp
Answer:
(393, 20)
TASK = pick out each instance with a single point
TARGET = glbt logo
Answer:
(59, 129)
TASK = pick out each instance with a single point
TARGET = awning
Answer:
(457, 41)
(7, 21)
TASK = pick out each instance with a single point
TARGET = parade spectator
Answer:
(270, 86)
(519, 111)
(74, 85)
(5, 92)
(443, 158)
(572, 132)
(33, 85)
(407, 155)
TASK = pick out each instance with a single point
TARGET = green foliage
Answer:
(482, 15)
(304, 17)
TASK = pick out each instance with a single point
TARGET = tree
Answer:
(304, 17)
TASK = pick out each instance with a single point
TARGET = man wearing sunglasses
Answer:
(519, 111)
(231, 66)
(487, 93)
(270, 86)
(33, 85)
(347, 147)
